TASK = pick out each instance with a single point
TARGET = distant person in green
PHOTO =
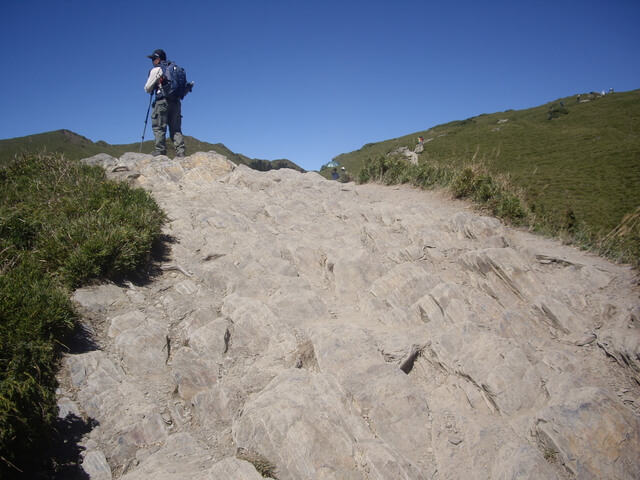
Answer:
(167, 112)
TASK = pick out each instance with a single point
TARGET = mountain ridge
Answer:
(76, 147)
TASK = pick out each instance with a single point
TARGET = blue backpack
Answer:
(176, 86)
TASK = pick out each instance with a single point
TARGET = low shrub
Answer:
(556, 110)
(510, 206)
(464, 183)
(429, 175)
(623, 243)
(388, 170)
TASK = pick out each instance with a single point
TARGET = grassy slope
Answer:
(77, 147)
(584, 163)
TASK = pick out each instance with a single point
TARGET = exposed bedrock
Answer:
(308, 329)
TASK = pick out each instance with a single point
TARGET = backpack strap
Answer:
(162, 83)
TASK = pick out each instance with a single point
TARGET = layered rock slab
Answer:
(356, 332)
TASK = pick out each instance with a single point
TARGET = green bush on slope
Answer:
(62, 224)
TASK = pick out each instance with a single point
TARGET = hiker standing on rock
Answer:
(167, 110)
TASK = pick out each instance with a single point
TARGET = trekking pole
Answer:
(145, 121)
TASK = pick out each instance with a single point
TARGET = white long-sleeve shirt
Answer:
(152, 82)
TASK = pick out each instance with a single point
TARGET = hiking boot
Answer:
(157, 154)
(179, 155)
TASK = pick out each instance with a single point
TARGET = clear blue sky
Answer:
(305, 80)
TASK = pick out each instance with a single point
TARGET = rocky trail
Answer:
(306, 329)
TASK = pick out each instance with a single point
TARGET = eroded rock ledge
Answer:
(308, 329)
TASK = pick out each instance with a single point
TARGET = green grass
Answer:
(62, 225)
(577, 174)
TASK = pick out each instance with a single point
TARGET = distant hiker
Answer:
(578, 98)
(420, 139)
(344, 178)
(167, 109)
(334, 174)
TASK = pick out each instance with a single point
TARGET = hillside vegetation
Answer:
(62, 225)
(573, 165)
(77, 147)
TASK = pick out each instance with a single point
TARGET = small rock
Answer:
(585, 339)
(95, 466)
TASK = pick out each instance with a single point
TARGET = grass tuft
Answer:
(264, 467)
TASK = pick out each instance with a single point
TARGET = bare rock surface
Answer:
(308, 329)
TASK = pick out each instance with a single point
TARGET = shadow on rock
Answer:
(64, 450)
(160, 254)
(82, 340)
